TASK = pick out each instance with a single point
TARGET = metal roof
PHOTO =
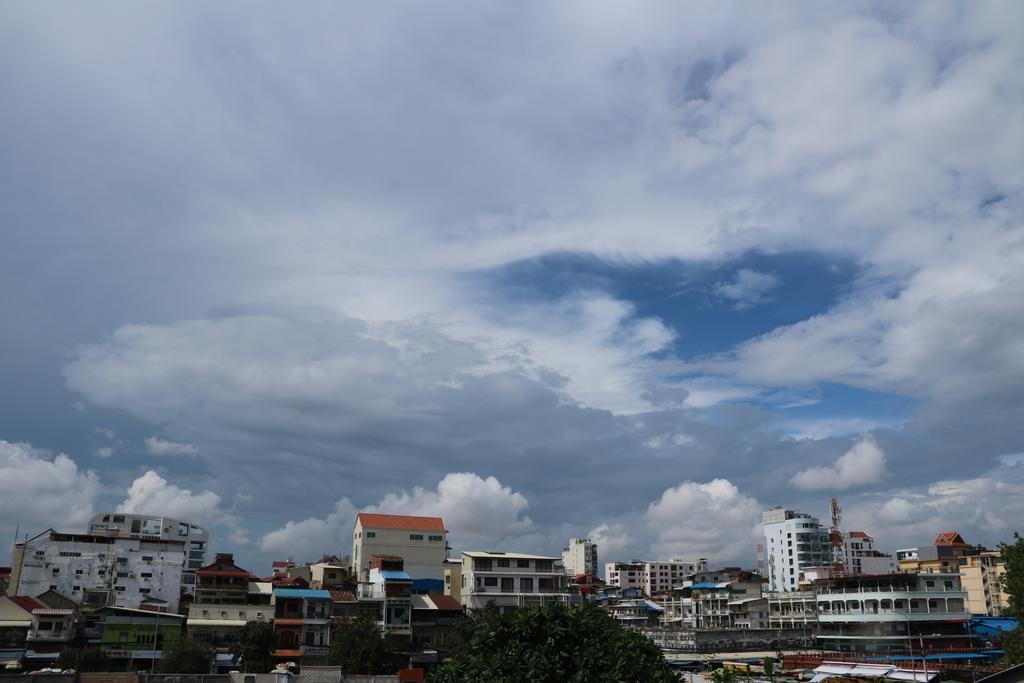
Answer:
(395, 576)
(302, 593)
(510, 556)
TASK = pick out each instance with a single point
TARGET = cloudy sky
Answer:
(633, 270)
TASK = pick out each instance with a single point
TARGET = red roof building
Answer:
(374, 521)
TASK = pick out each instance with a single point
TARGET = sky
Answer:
(633, 271)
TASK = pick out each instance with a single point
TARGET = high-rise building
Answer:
(793, 540)
(652, 577)
(580, 557)
(195, 539)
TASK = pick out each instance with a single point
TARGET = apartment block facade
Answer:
(793, 540)
(512, 580)
(421, 542)
(195, 538)
(580, 557)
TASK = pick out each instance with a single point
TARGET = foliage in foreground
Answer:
(556, 644)
(186, 656)
(1013, 583)
(84, 660)
(253, 646)
(358, 647)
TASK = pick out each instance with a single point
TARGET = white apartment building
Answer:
(625, 574)
(652, 577)
(100, 570)
(196, 539)
(793, 540)
(421, 542)
(580, 557)
(512, 580)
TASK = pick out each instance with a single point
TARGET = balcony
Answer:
(315, 650)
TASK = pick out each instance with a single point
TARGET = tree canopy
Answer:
(556, 644)
(1012, 555)
(358, 647)
(253, 647)
(186, 656)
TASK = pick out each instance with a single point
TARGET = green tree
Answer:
(85, 660)
(554, 643)
(1012, 555)
(358, 647)
(725, 675)
(254, 645)
(185, 656)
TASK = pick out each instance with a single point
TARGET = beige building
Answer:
(980, 576)
(421, 542)
(453, 578)
(580, 557)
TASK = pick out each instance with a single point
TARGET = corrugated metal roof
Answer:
(303, 593)
(395, 576)
(421, 602)
(374, 521)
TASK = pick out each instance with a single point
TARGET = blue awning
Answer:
(702, 585)
(302, 593)
(395, 576)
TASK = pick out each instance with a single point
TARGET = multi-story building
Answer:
(390, 586)
(580, 557)
(195, 538)
(725, 599)
(329, 572)
(980, 576)
(792, 610)
(892, 612)
(225, 600)
(793, 540)
(512, 580)
(134, 638)
(943, 555)
(453, 579)
(100, 570)
(302, 620)
(625, 574)
(421, 542)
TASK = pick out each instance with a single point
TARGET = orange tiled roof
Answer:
(401, 522)
(859, 534)
(342, 596)
(949, 538)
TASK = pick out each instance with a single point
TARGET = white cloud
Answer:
(863, 464)
(104, 452)
(749, 288)
(692, 520)
(152, 494)
(38, 489)
(312, 537)
(477, 510)
(161, 447)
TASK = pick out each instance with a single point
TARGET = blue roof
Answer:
(654, 607)
(395, 576)
(428, 585)
(304, 593)
(704, 585)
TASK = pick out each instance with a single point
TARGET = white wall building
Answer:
(793, 540)
(100, 570)
(421, 542)
(652, 577)
(580, 557)
(127, 525)
(512, 580)
(859, 555)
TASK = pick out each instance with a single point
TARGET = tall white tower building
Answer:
(580, 557)
(792, 541)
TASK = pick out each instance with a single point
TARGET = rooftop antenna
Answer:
(837, 514)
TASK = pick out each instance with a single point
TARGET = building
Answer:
(892, 613)
(225, 600)
(433, 620)
(389, 586)
(792, 610)
(5, 579)
(626, 574)
(97, 570)
(793, 540)
(512, 580)
(453, 579)
(421, 542)
(980, 576)
(196, 539)
(329, 572)
(580, 557)
(302, 620)
(653, 578)
(858, 555)
(133, 638)
(725, 599)
(635, 611)
(15, 622)
(942, 556)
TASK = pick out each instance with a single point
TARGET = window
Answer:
(56, 570)
(53, 586)
(144, 590)
(490, 580)
(118, 518)
(415, 537)
(435, 538)
(147, 558)
(78, 572)
(503, 562)
(182, 529)
(117, 588)
(522, 564)
(371, 534)
(136, 526)
(146, 575)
